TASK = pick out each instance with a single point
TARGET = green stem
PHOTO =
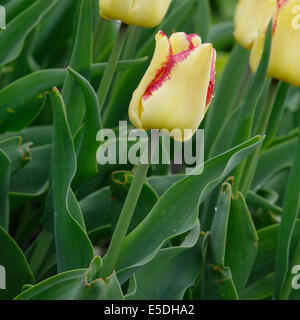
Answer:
(260, 128)
(110, 70)
(112, 255)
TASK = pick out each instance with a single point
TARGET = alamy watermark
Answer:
(296, 19)
(296, 278)
(134, 146)
(2, 278)
(2, 18)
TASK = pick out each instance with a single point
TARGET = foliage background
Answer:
(192, 237)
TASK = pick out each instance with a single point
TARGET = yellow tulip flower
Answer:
(143, 13)
(177, 88)
(251, 21)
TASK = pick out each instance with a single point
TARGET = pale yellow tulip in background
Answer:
(251, 21)
(144, 13)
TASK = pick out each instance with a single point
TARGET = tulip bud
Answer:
(251, 18)
(251, 21)
(177, 88)
(144, 13)
(285, 58)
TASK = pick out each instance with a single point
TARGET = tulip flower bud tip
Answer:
(178, 86)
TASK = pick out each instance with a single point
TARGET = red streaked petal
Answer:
(211, 85)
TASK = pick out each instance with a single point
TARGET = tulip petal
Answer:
(180, 41)
(180, 101)
(160, 60)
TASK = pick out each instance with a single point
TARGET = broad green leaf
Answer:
(218, 232)
(287, 226)
(16, 111)
(273, 160)
(12, 39)
(267, 243)
(13, 107)
(161, 183)
(5, 165)
(259, 201)
(16, 266)
(83, 284)
(81, 61)
(177, 210)
(73, 248)
(223, 103)
(217, 280)
(32, 180)
(243, 127)
(18, 153)
(96, 209)
(202, 19)
(259, 290)
(222, 35)
(241, 230)
(155, 280)
(37, 135)
(86, 160)
(15, 7)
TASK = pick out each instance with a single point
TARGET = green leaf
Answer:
(259, 290)
(273, 160)
(73, 248)
(287, 226)
(16, 111)
(5, 164)
(217, 279)
(223, 103)
(222, 35)
(96, 209)
(277, 112)
(37, 135)
(36, 172)
(177, 210)
(13, 107)
(16, 266)
(15, 7)
(83, 284)
(267, 244)
(86, 161)
(243, 127)
(261, 202)
(202, 20)
(247, 110)
(18, 153)
(155, 280)
(241, 230)
(81, 61)
(161, 183)
(12, 39)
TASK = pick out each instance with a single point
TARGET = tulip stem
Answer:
(111, 68)
(112, 255)
(261, 127)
